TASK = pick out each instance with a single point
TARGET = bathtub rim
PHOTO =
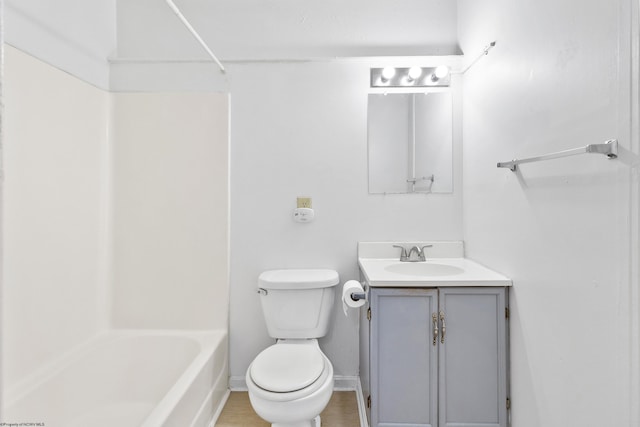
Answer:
(165, 406)
(18, 391)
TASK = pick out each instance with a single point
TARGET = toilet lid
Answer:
(284, 368)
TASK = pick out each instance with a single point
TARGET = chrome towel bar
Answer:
(609, 148)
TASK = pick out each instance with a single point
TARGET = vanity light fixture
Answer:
(410, 77)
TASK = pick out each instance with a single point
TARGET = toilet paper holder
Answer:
(357, 296)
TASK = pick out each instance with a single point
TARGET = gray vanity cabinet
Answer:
(438, 357)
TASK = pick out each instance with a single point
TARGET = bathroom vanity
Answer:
(434, 338)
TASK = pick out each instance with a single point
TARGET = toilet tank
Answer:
(297, 303)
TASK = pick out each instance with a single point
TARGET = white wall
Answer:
(558, 78)
(74, 36)
(170, 210)
(301, 130)
(54, 225)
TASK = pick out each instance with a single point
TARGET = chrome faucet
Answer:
(407, 256)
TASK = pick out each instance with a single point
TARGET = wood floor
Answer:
(342, 411)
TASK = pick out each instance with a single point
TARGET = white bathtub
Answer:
(129, 379)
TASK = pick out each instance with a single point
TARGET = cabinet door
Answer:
(403, 358)
(472, 358)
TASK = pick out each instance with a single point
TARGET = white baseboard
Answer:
(345, 383)
(237, 383)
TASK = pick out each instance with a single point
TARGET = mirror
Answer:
(410, 143)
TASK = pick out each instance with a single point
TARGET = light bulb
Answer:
(415, 72)
(388, 73)
(441, 71)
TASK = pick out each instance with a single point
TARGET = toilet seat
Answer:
(287, 367)
(258, 375)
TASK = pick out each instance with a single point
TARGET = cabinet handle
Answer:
(434, 318)
(444, 327)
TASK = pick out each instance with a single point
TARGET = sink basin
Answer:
(423, 269)
(446, 265)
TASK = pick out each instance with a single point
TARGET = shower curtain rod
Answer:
(195, 34)
(484, 53)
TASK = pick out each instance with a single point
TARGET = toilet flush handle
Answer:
(263, 291)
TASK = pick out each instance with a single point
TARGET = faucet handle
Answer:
(421, 253)
(425, 246)
(403, 252)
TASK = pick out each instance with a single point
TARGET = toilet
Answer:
(291, 382)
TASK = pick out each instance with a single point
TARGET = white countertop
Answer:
(471, 274)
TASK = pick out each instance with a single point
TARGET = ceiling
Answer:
(287, 29)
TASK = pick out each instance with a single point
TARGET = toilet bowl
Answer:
(291, 382)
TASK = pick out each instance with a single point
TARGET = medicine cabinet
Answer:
(410, 142)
